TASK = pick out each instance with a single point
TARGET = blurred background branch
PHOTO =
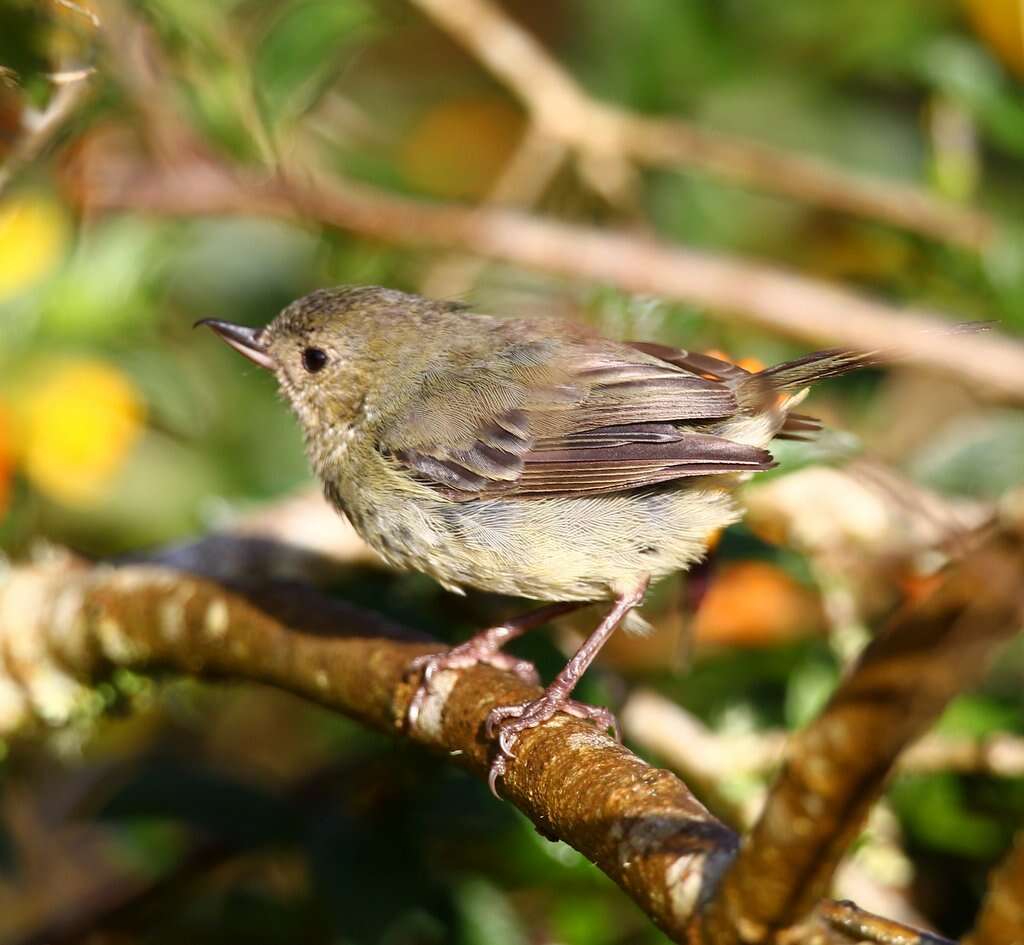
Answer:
(605, 137)
(762, 296)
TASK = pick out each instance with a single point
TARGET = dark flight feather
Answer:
(703, 365)
(799, 426)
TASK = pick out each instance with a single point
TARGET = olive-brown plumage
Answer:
(524, 457)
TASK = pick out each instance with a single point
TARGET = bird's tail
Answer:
(802, 372)
(782, 382)
(792, 376)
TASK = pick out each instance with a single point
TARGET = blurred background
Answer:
(169, 810)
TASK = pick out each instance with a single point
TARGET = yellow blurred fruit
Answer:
(1000, 23)
(77, 425)
(459, 148)
(33, 233)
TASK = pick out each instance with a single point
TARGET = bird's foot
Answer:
(507, 722)
(478, 649)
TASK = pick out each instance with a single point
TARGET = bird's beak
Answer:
(243, 339)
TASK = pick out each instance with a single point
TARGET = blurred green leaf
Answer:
(965, 72)
(975, 454)
(148, 846)
(980, 715)
(809, 689)
(580, 920)
(935, 812)
(303, 50)
(487, 916)
(102, 292)
(23, 28)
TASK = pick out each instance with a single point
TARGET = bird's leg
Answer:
(485, 647)
(508, 721)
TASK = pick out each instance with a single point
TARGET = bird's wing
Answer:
(540, 418)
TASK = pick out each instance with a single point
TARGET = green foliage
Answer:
(23, 40)
(303, 49)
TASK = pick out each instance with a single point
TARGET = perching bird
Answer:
(525, 457)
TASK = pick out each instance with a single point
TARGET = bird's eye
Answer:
(313, 359)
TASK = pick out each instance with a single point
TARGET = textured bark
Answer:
(1001, 920)
(837, 767)
(61, 626)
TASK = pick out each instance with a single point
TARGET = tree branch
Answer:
(1001, 920)
(838, 765)
(757, 294)
(62, 625)
(707, 757)
(596, 130)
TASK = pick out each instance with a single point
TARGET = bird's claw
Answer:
(507, 722)
(463, 656)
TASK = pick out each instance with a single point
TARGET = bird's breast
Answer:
(553, 548)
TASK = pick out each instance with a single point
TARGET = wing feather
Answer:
(593, 418)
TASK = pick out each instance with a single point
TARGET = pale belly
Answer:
(562, 548)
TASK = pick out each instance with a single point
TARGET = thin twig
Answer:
(40, 129)
(701, 755)
(861, 926)
(44, 127)
(600, 131)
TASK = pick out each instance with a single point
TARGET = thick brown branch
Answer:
(641, 825)
(837, 766)
(1001, 920)
(596, 130)
(758, 294)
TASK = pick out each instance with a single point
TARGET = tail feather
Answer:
(834, 362)
(758, 391)
(793, 375)
(799, 426)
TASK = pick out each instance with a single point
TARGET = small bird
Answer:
(525, 457)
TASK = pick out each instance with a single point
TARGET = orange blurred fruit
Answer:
(458, 149)
(755, 603)
(1000, 23)
(6, 459)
